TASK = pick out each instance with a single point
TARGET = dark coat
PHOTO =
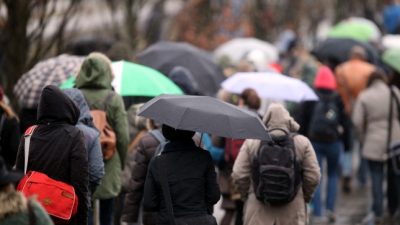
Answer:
(57, 147)
(191, 177)
(9, 139)
(137, 163)
(306, 111)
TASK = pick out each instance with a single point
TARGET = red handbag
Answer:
(58, 198)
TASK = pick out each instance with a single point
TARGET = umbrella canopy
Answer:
(391, 57)
(51, 71)
(357, 28)
(391, 41)
(164, 56)
(237, 48)
(271, 86)
(204, 114)
(136, 80)
(334, 51)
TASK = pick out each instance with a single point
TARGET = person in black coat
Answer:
(9, 132)
(191, 178)
(57, 147)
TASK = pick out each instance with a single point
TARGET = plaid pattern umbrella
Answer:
(51, 71)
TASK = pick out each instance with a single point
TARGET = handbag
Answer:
(56, 197)
(393, 145)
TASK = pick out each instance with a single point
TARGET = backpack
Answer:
(275, 170)
(325, 124)
(232, 148)
(161, 140)
(108, 138)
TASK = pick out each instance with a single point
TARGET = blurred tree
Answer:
(27, 34)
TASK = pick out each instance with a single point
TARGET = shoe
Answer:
(331, 216)
(346, 185)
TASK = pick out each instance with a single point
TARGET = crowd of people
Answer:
(126, 169)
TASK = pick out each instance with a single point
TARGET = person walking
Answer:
(57, 147)
(92, 138)
(280, 123)
(181, 183)
(94, 80)
(14, 207)
(327, 126)
(371, 120)
(9, 132)
(352, 77)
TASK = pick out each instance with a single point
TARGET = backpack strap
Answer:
(27, 137)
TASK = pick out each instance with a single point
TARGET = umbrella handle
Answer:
(201, 137)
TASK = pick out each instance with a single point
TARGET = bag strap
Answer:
(392, 97)
(165, 189)
(27, 137)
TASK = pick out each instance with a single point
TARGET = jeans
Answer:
(376, 170)
(106, 212)
(346, 163)
(330, 151)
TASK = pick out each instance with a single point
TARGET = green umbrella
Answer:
(136, 80)
(358, 29)
(391, 57)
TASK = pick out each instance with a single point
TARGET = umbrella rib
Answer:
(180, 120)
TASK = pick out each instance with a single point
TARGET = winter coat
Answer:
(92, 138)
(10, 134)
(137, 164)
(370, 119)
(14, 210)
(94, 80)
(57, 147)
(256, 212)
(191, 176)
(352, 78)
(306, 111)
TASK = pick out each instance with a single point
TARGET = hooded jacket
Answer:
(293, 213)
(14, 210)
(94, 80)
(92, 137)
(57, 147)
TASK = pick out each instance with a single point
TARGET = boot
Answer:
(346, 185)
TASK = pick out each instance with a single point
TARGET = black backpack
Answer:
(324, 125)
(276, 173)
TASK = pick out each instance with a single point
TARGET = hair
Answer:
(251, 99)
(358, 52)
(377, 75)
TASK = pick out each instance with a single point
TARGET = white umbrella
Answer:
(271, 86)
(236, 48)
(391, 41)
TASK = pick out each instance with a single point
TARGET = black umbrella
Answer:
(334, 51)
(164, 56)
(204, 114)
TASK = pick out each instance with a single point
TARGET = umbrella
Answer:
(271, 86)
(334, 51)
(136, 80)
(237, 48)
(164, 56)
(391, 57)
(391, 41)
(204, 114)
(51, 71)
(357, 28)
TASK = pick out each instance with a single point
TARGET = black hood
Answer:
(56, 107)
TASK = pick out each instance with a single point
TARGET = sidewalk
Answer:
(351, 209)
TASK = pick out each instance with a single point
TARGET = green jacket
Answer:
(94, 80)
(14, 210)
